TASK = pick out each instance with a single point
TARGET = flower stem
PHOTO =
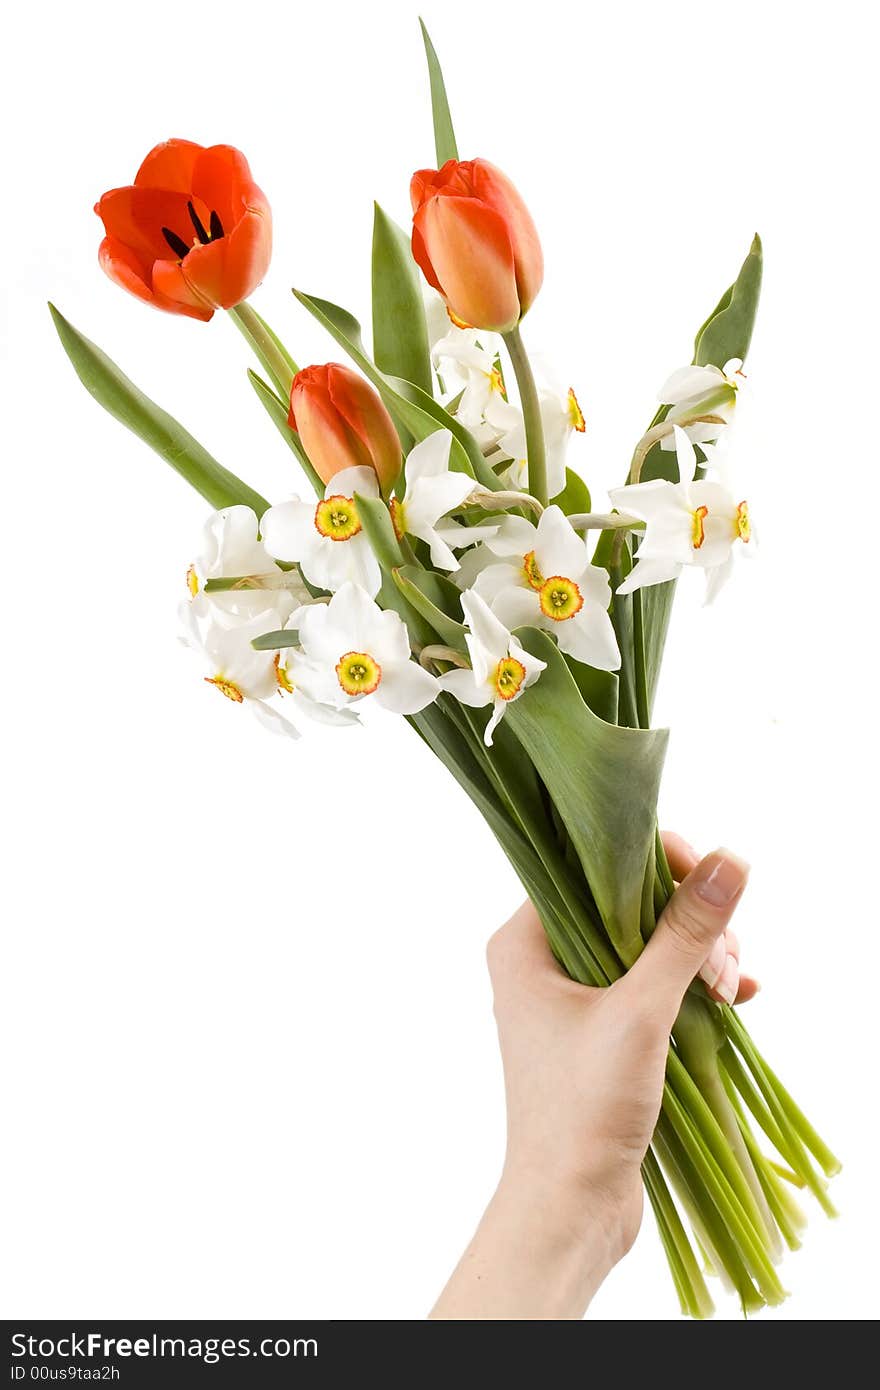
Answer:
(269, 349)
(528, 393)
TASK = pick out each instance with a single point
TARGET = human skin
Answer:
(583, 1074)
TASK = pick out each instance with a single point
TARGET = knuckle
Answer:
(688, 927)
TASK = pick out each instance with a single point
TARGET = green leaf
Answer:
(125, 402)
(277, 412)
(376, 521)
(727, 331)
(598, 688)
(575, 496)
(430, 595)
(604, 781)
(400, 331)
(274, 641)
(444, 135)
(412, 408)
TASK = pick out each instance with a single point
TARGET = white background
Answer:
(250, 1060)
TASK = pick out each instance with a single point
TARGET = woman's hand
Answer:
(584, 1072)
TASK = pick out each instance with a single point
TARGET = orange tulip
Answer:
(192, 234)
(343, 424)
(476, 243)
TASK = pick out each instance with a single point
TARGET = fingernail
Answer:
(728, 985)
(714, 964)
(720, 876)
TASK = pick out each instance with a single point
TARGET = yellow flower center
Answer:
(358, 673)
(698, 529)
(742, 523)
(575, 414)
(192, 581)
(496, 381)
(508, 677)
(398, 518)
(337, 518)
(226, 687)
(560, 598)
(282, 675)
(533, 575)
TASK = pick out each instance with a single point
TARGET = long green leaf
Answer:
(604, 781)
(444, 135)
(123, 400)
(575, 496)
(727, 331)
(412, 408)
(428, 593)
(277, 412)
(400, 331)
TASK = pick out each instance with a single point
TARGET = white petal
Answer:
(348, 481)
(489, 634)
(496, 717)
(588, 637)
(651, 501)
(442, 556)
(558, 547)
(688, 383)
(288, 529)
(329, 564)
(429, 459)
(406, 689)
(687, 455)
(515, 536)
(320, 713)
(271, 719)
(716, 578)
(533, 666)
(463, 685)
(517, 607)
(494, 579)
(647, 572)
(427, 499)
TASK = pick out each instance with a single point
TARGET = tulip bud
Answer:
(343, 424)
(192, 234)
(476, 243)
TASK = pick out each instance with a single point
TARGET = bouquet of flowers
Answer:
(451, 569)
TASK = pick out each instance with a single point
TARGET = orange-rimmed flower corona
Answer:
(343, 424)
(192, 234)
(476, 243)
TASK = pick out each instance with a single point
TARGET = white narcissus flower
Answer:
(327, 540)
(501, 668)
(690, 388)
(553, 586)
(231, 548)
(561, 416)
(692, 522)
(354, 649)
(251, 678)
(433, 489)
(466, 362)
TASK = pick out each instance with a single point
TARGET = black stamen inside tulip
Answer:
(216, 227)
(202, 235)
(177, 243)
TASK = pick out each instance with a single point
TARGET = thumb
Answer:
(691, 924)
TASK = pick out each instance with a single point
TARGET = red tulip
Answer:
(192, 234)
(343, 424)
(476, 243)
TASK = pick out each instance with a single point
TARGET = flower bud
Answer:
(343, 424)
(476, 243)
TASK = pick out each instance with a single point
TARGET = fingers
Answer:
(520, 948)
(682, 857)
(690, 935)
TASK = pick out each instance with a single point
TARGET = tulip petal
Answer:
(495, 190)
(169, 166)
(222, 178)
(470, 251)
(136, 217)
(226, 271)
(172, 285)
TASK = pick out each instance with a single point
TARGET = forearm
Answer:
(538, 1253)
